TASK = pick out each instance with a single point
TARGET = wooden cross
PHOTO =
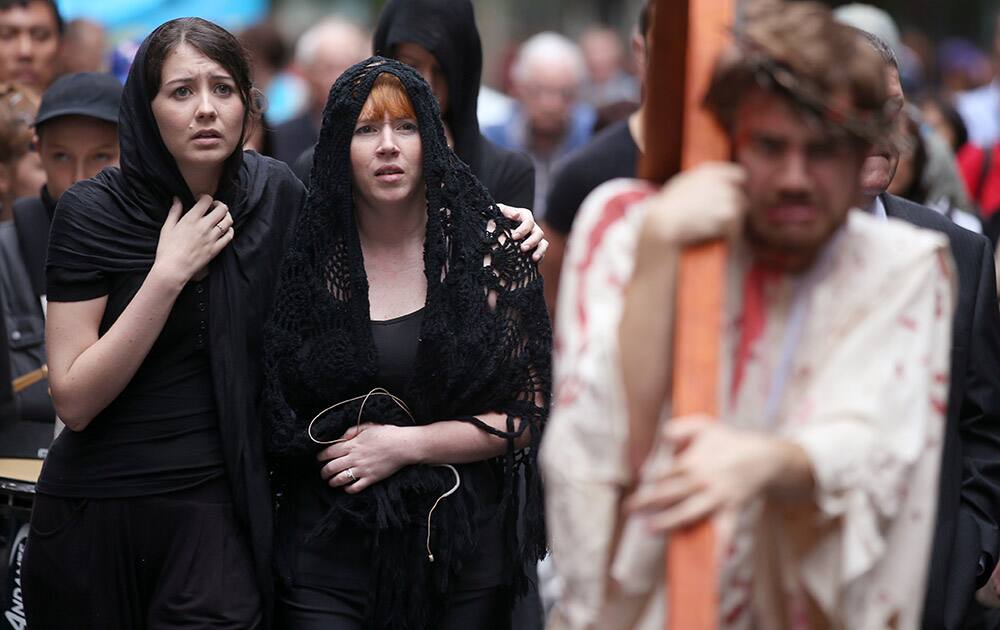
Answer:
(684, 40)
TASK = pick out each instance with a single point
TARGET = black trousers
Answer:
(171, 561)
(307, 608)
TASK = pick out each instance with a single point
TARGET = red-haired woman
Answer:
(406, 378)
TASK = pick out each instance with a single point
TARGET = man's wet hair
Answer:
(798, 50)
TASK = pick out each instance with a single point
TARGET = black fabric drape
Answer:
(485, 346)
(111, 224)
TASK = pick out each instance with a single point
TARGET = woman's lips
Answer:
(207, 139)
(389, 174)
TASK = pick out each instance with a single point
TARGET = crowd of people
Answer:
(401, 360)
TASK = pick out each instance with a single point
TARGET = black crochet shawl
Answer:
(485, 346)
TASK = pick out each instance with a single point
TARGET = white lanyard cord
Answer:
(379, 391)
(796, 327)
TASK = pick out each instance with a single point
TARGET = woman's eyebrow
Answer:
(187, 78)
(183, 79)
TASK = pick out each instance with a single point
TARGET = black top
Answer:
(396, 343)
(508, 175)
(346, 562)
(610, 154)
(161, 433)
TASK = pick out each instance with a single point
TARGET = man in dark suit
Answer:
(966, 537)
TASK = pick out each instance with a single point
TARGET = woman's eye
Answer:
(407, 125)
(60, 157)
(364, 129)
(224, 89)
(182, 92)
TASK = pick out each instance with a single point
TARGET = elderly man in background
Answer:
(609, 82)
(940, 176)
(549, 120)
(322, 54)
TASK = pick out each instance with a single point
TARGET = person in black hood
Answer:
(440, 40)
(153, 509)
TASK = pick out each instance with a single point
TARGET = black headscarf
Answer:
(446, 28)
(111, 224)
(472, 358)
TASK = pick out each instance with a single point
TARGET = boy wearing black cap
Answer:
(76, 131)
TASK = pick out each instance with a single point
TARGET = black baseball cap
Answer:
(93, 94)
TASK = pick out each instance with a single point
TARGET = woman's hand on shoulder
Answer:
(368, 454)
(189, 241)
(532, 236)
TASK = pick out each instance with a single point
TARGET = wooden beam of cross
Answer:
(684, 41)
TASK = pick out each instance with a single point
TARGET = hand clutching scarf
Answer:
(485, 346)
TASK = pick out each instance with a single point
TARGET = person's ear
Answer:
(639, 55)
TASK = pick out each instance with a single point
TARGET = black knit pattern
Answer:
(485, 346)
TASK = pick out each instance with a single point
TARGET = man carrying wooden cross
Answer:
(820, 473)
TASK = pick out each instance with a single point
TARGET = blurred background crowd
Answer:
(557, 71)
(555, 75)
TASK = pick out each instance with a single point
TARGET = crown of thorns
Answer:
(773, 74)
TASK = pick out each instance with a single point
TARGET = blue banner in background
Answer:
(127, 23)
(134, 19)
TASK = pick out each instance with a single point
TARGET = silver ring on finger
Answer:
(222, 230)
(350, 474)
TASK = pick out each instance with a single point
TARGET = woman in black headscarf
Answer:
(407, 374)
(153, 509)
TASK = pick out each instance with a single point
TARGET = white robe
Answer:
(865, 397)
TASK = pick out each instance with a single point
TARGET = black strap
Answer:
(31, 222)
